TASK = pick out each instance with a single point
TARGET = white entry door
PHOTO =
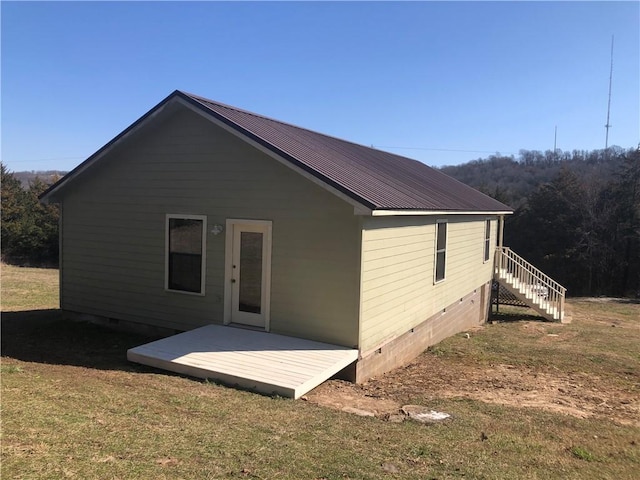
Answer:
(249, 272)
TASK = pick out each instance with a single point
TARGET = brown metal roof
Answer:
(373, 178)
(377, 179)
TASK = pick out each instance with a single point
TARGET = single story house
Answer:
(201, 213)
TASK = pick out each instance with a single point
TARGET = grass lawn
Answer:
(73, 407)
(25, 288)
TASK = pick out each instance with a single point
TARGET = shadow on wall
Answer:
(44, 336)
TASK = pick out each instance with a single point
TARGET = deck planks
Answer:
(259, 361)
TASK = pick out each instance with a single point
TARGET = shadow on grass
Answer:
(605, 300)
(44, 336)
(516, 314)
(631, 301)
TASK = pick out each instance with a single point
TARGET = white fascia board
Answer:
(388, 213)
(358, 208)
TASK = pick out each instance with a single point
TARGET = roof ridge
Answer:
(201, 99)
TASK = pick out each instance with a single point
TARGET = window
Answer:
(441, 250)
(487, 240)
(185, 243)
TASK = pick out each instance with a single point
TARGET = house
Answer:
(200, 213)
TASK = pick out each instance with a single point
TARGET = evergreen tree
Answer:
(29, 228)
(626, 193)
(13, 211)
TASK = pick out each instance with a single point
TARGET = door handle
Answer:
(233, 280)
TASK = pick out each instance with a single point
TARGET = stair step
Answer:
(529, 294)
(538, 291)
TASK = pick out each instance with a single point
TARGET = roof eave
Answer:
(417, 212)
(360, 204)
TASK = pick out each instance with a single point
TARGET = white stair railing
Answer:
(538, 288)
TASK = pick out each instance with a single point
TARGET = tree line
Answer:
(29, 229)
(577, 214)
(46, 176)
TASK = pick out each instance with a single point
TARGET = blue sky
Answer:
(442, 82)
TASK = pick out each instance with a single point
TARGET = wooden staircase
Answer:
(526, 282)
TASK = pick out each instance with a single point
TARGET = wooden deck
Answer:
(259, 361)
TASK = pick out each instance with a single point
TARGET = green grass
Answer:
(25, 288)
(73, 407)
(582, 454)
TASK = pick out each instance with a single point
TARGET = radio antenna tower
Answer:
(607, 126)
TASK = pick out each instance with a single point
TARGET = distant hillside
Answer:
(577, 214)
(48, 176)
(511, 180)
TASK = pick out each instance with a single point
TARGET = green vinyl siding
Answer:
(181, 164)
(398, 291)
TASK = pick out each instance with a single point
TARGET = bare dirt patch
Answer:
(548, 385)
(574, 394)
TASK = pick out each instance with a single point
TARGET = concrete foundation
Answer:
(470, 311)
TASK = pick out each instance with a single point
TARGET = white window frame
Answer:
(203, 272)
(487, 241)
(442, 250)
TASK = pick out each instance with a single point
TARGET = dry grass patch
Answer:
(25, 288)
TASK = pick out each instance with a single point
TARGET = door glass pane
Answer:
(250, 290)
